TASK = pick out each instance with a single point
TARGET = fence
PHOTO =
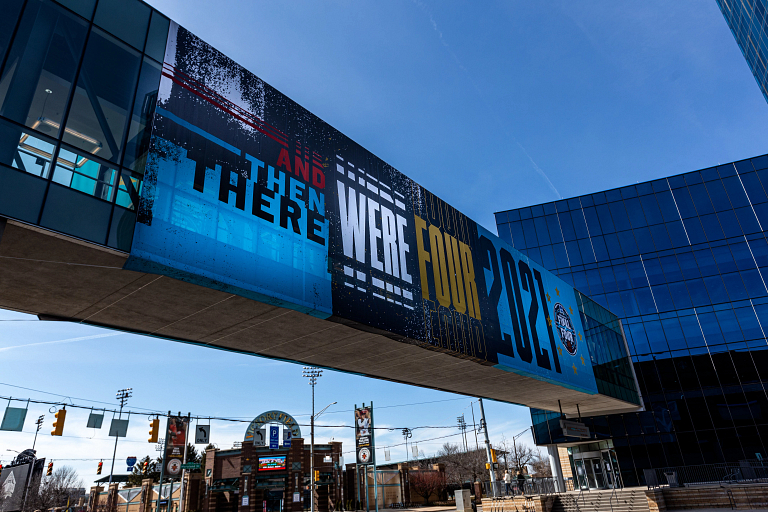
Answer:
(744, 471)
(531, 486)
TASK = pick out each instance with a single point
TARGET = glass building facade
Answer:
(78, 83)
(683, 261)
(748, 22)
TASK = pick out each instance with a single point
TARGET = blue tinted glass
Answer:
(537, 211)
(613, 195)
(688, 265)
(635, 211)
(627, 242)
(579, 226)
(574, 204)
(561, 258)
(711, 328)
(671, 269)
(613, 245)
(724, 259)
(677, 234)
(762, 315)
(126, 19)
(530, 234)
(754, 283)
(534, 254)
(608, 280)
(644, 188)
(729, 169)
(709, 174)
(718, 196)
(541, 230)
(619, 215)
(656, 336)
(762, 213)
(692, 331)
(598, 198)
(754, 188)
(729, 326)
(567, 277)
(680, 297)
(587, 254)
(645, 302)
(676, 181)
(593, 223)
(736, 194)
(716, 289)
(683, 203)
(561, 206)
(706, 262)
(549, 209)
(653, 270)
(11, 11)
(759, 250)
(604, 215)
(748, 323)
(630, 305)
(674, 334)
(742, 257)
(623, 281)
(760, 162)
(711, 227)
(698, 292)
(501, 218)
(747, 220)
(662, 297)
(518, 238)
(548, 257)
(614, 304)
(525, 213)
(692, 178)
(553, 227)
(660, 185)
(637, 274)
(156, 38)
(661, 237)
(701, 199)
(580, 281)
(644, 240)
(639, 338)
(735, 287)
(651, 209)
(628, 192)
(574, 255)
(601, 251)
(566, 226)
(513, 215)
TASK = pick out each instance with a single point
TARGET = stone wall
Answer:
(721, 496)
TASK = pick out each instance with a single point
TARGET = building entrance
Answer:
(597, 469)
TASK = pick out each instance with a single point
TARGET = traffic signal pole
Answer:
(492, 473)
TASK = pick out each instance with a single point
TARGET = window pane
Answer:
(11, 10)
(735, 192)
(541, 230)
(127, 19)
(604, 215)
(619, 215)
(77, 171)
(32, 154)
(579, 225)
(566, 226)
(82, 7)
(754, 188)
(102, 100)
(712, 227)
(128, 190)
(683, 202)
(718, 196)
(554, 229)
(747, 220)
(38, 75)
(158, 33)
(651, 209)
(701, 199)
(139, 131)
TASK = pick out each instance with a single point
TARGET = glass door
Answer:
(608, 470)
(581, 473)
(597, 469)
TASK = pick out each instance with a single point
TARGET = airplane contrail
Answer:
(68, 340)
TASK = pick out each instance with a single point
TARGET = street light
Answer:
(122, 396)
(313, 373)
(39, 423)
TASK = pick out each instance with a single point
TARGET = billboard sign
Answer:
(364, 444)
(13, 479)
(247, 192)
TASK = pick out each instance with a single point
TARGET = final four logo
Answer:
(565, 329)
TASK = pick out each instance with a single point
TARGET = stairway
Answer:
(622, 500)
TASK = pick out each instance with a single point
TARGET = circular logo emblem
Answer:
(364, 455)
(565, 329)
(174, 467)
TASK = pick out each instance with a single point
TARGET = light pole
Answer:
(39, 423)
(122, 396)
(312, 373)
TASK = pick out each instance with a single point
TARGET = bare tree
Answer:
(62, 487)
(541, 465)
(426, 483)
(461, 466)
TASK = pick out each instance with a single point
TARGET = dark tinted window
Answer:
(127, 19)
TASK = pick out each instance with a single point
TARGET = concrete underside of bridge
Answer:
(58, 277)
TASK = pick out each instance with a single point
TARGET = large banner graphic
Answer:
(246, 191)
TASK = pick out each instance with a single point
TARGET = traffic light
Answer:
(317, 475)
(58, 425)
(50, 469)
(98, 469)
(1, 468)
(493, 455)
(145, 468)
(154, 430)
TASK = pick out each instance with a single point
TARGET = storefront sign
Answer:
(574, 429)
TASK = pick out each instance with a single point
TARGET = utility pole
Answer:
(407, 434)
(184, 471)
(463, 428)
(474, 425)
(39, 423)
(484, 425)
(122, 395)
(312, 374)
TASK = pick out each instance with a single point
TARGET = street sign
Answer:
(130, 461)
(260, 437)
(286, 438)
(118, 428)
(274, 440)
(202, 433)
(190, 465)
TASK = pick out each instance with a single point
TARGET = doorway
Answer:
(597, 469)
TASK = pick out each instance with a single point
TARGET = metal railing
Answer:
(742, 472)
(531, 486)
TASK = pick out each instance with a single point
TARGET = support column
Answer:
(145, 505)
(112, 497)
(557, 470)
(94, 498)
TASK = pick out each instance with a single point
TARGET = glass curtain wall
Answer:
(78, 85)
(683, 261)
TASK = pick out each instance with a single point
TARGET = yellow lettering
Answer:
(421, 225)
(454, 273)
(473, 303)
(438, 267)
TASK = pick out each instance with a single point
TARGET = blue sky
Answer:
(490, 105)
